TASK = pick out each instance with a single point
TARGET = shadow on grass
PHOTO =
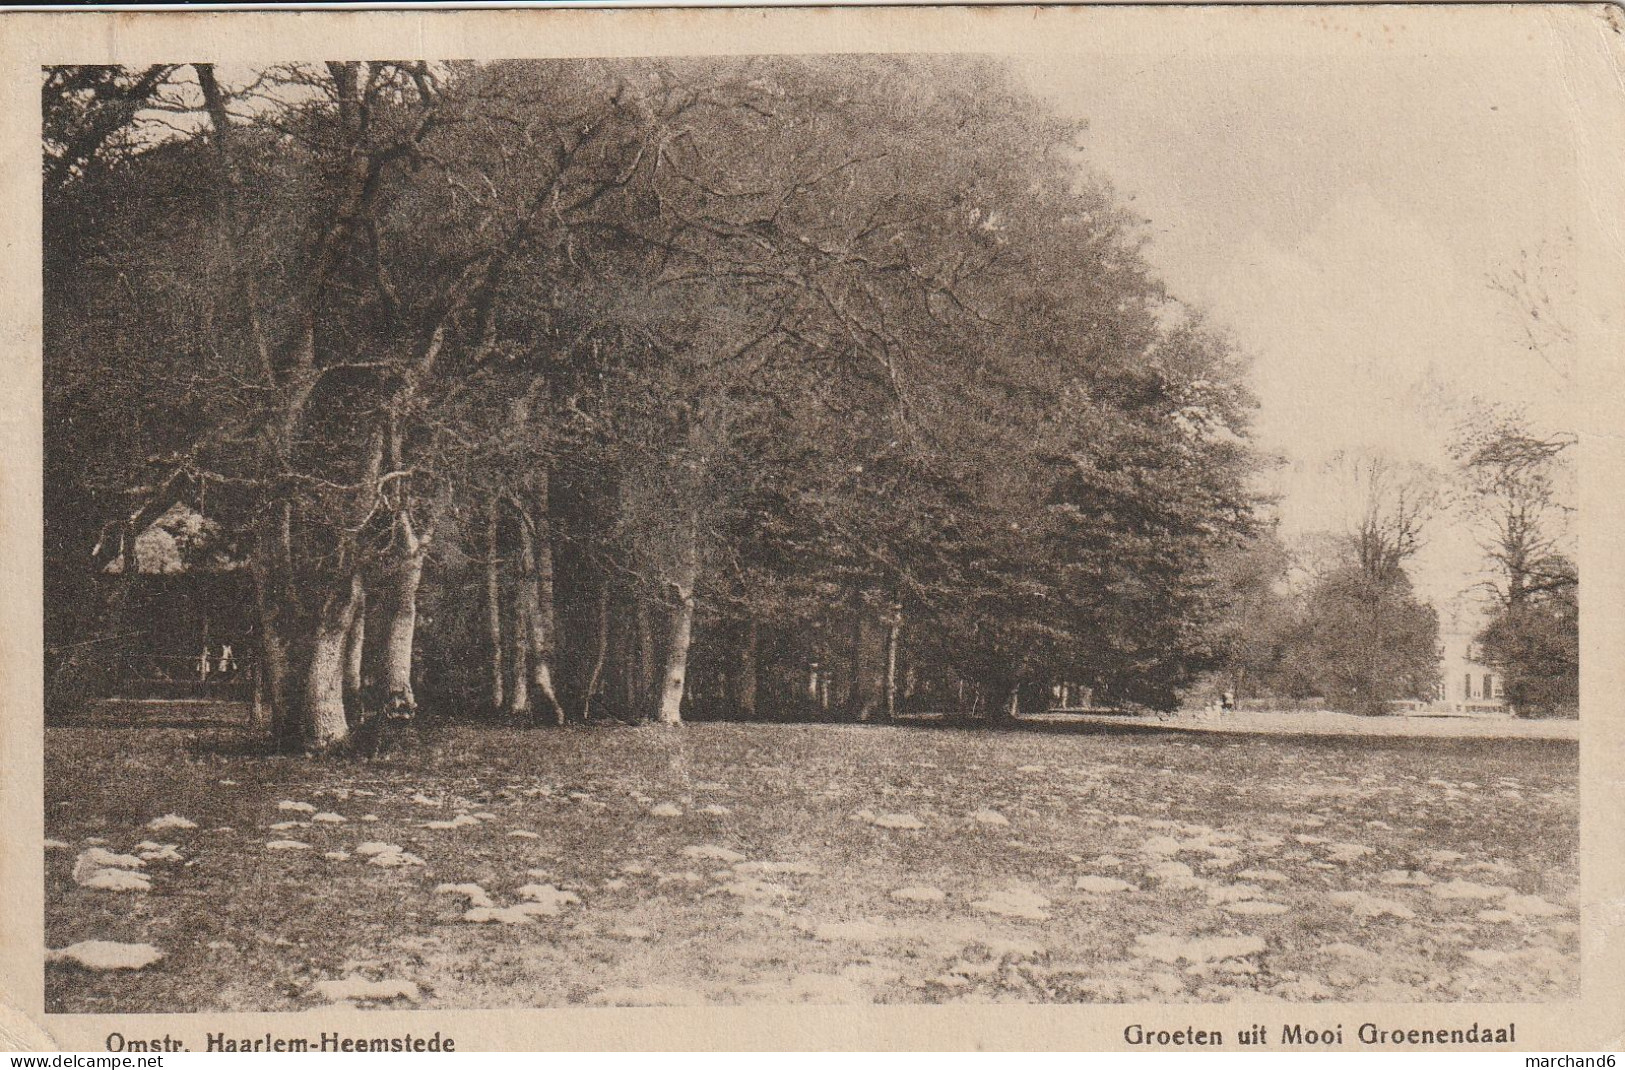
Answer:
(222, 730)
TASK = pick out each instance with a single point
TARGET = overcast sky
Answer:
(1342, 219)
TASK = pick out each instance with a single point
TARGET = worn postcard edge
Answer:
(1587, 38)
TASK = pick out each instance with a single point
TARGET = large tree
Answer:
(661, 382)
(1517, 488)
(1364, 639)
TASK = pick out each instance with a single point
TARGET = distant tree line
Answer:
(644, 389)
(1336, 619)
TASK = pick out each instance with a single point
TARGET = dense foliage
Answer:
(1519, 486)
(637, 387)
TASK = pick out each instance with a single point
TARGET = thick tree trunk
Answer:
(676, 674)
(401, 637)
(354, 647)
(493, 605)
(401, 623)
(325, 723)
(536, 559)
(681, 630)
(325, 720)
(745, 681)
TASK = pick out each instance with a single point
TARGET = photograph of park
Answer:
(809, 529)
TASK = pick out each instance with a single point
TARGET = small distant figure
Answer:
(204, 663)
(1228, 701)
(227, 665)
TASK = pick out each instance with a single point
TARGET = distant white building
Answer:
(1465, 682)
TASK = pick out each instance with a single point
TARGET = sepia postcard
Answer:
(852, 527)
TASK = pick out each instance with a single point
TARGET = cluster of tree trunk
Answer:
(640, 389)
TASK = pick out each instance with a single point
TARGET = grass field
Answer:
(726, 863)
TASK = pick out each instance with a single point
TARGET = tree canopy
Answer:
(652, 384)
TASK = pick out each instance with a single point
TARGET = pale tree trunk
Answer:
(536, 559)
(745, 683)
(354, 647)
(493, 605)
(676, 674)
(324, 683)
(400, 639)
(681, 630)
(894, 627)
(325, 723)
